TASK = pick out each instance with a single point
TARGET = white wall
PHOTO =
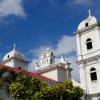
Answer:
(51, 74)
(93, 86)
(94, 34)
(57, 74)
(16, 63)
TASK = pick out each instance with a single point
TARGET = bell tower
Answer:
(88, 55)
(46, 58)
(88, 38)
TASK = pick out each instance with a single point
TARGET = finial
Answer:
(62, 59)
(14, 46)
(89, 12)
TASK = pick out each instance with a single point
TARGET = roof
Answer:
(14, 54)
(91, 20)
(35, 75)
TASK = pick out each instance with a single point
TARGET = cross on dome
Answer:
(89, 11)
(14, 45)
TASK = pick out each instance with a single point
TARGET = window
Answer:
(93, 74)
(8, 56)
(86, 24)
(89, 44)
(51, 53)
(44, 55)
(43, 62)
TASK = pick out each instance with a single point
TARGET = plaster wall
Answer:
(82, 51)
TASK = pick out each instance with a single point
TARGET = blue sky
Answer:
(37, 24)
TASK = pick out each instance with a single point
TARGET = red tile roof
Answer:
(35, 75)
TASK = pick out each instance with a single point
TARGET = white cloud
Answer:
(75, 67)
(86, 2)
(65, 45)
(11, 7)
(32, 65)
(80, 2)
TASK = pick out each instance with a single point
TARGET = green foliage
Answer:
(77, 92)
(23, 87)
(61, 91)
(1, 99)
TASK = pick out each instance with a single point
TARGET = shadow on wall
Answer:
(4, 95)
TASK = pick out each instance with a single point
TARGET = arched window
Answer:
(93, 74)
(8, 56)
(86, 24)
(89, 43)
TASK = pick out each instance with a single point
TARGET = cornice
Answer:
(49, 68)
(87, 28)
(15, 59)
(96, 57)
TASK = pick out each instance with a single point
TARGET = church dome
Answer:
(91, 20)
(14, 54)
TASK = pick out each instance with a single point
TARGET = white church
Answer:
(88, 59)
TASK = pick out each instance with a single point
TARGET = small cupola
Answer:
(14, 54)
(14, 58)
(90, 20)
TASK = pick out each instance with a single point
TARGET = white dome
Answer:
(89, 21)
(14, 54)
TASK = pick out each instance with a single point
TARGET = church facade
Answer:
(48, 67)
(88, 59)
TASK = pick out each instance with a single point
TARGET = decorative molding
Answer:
(15, 59)
(87, 28)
